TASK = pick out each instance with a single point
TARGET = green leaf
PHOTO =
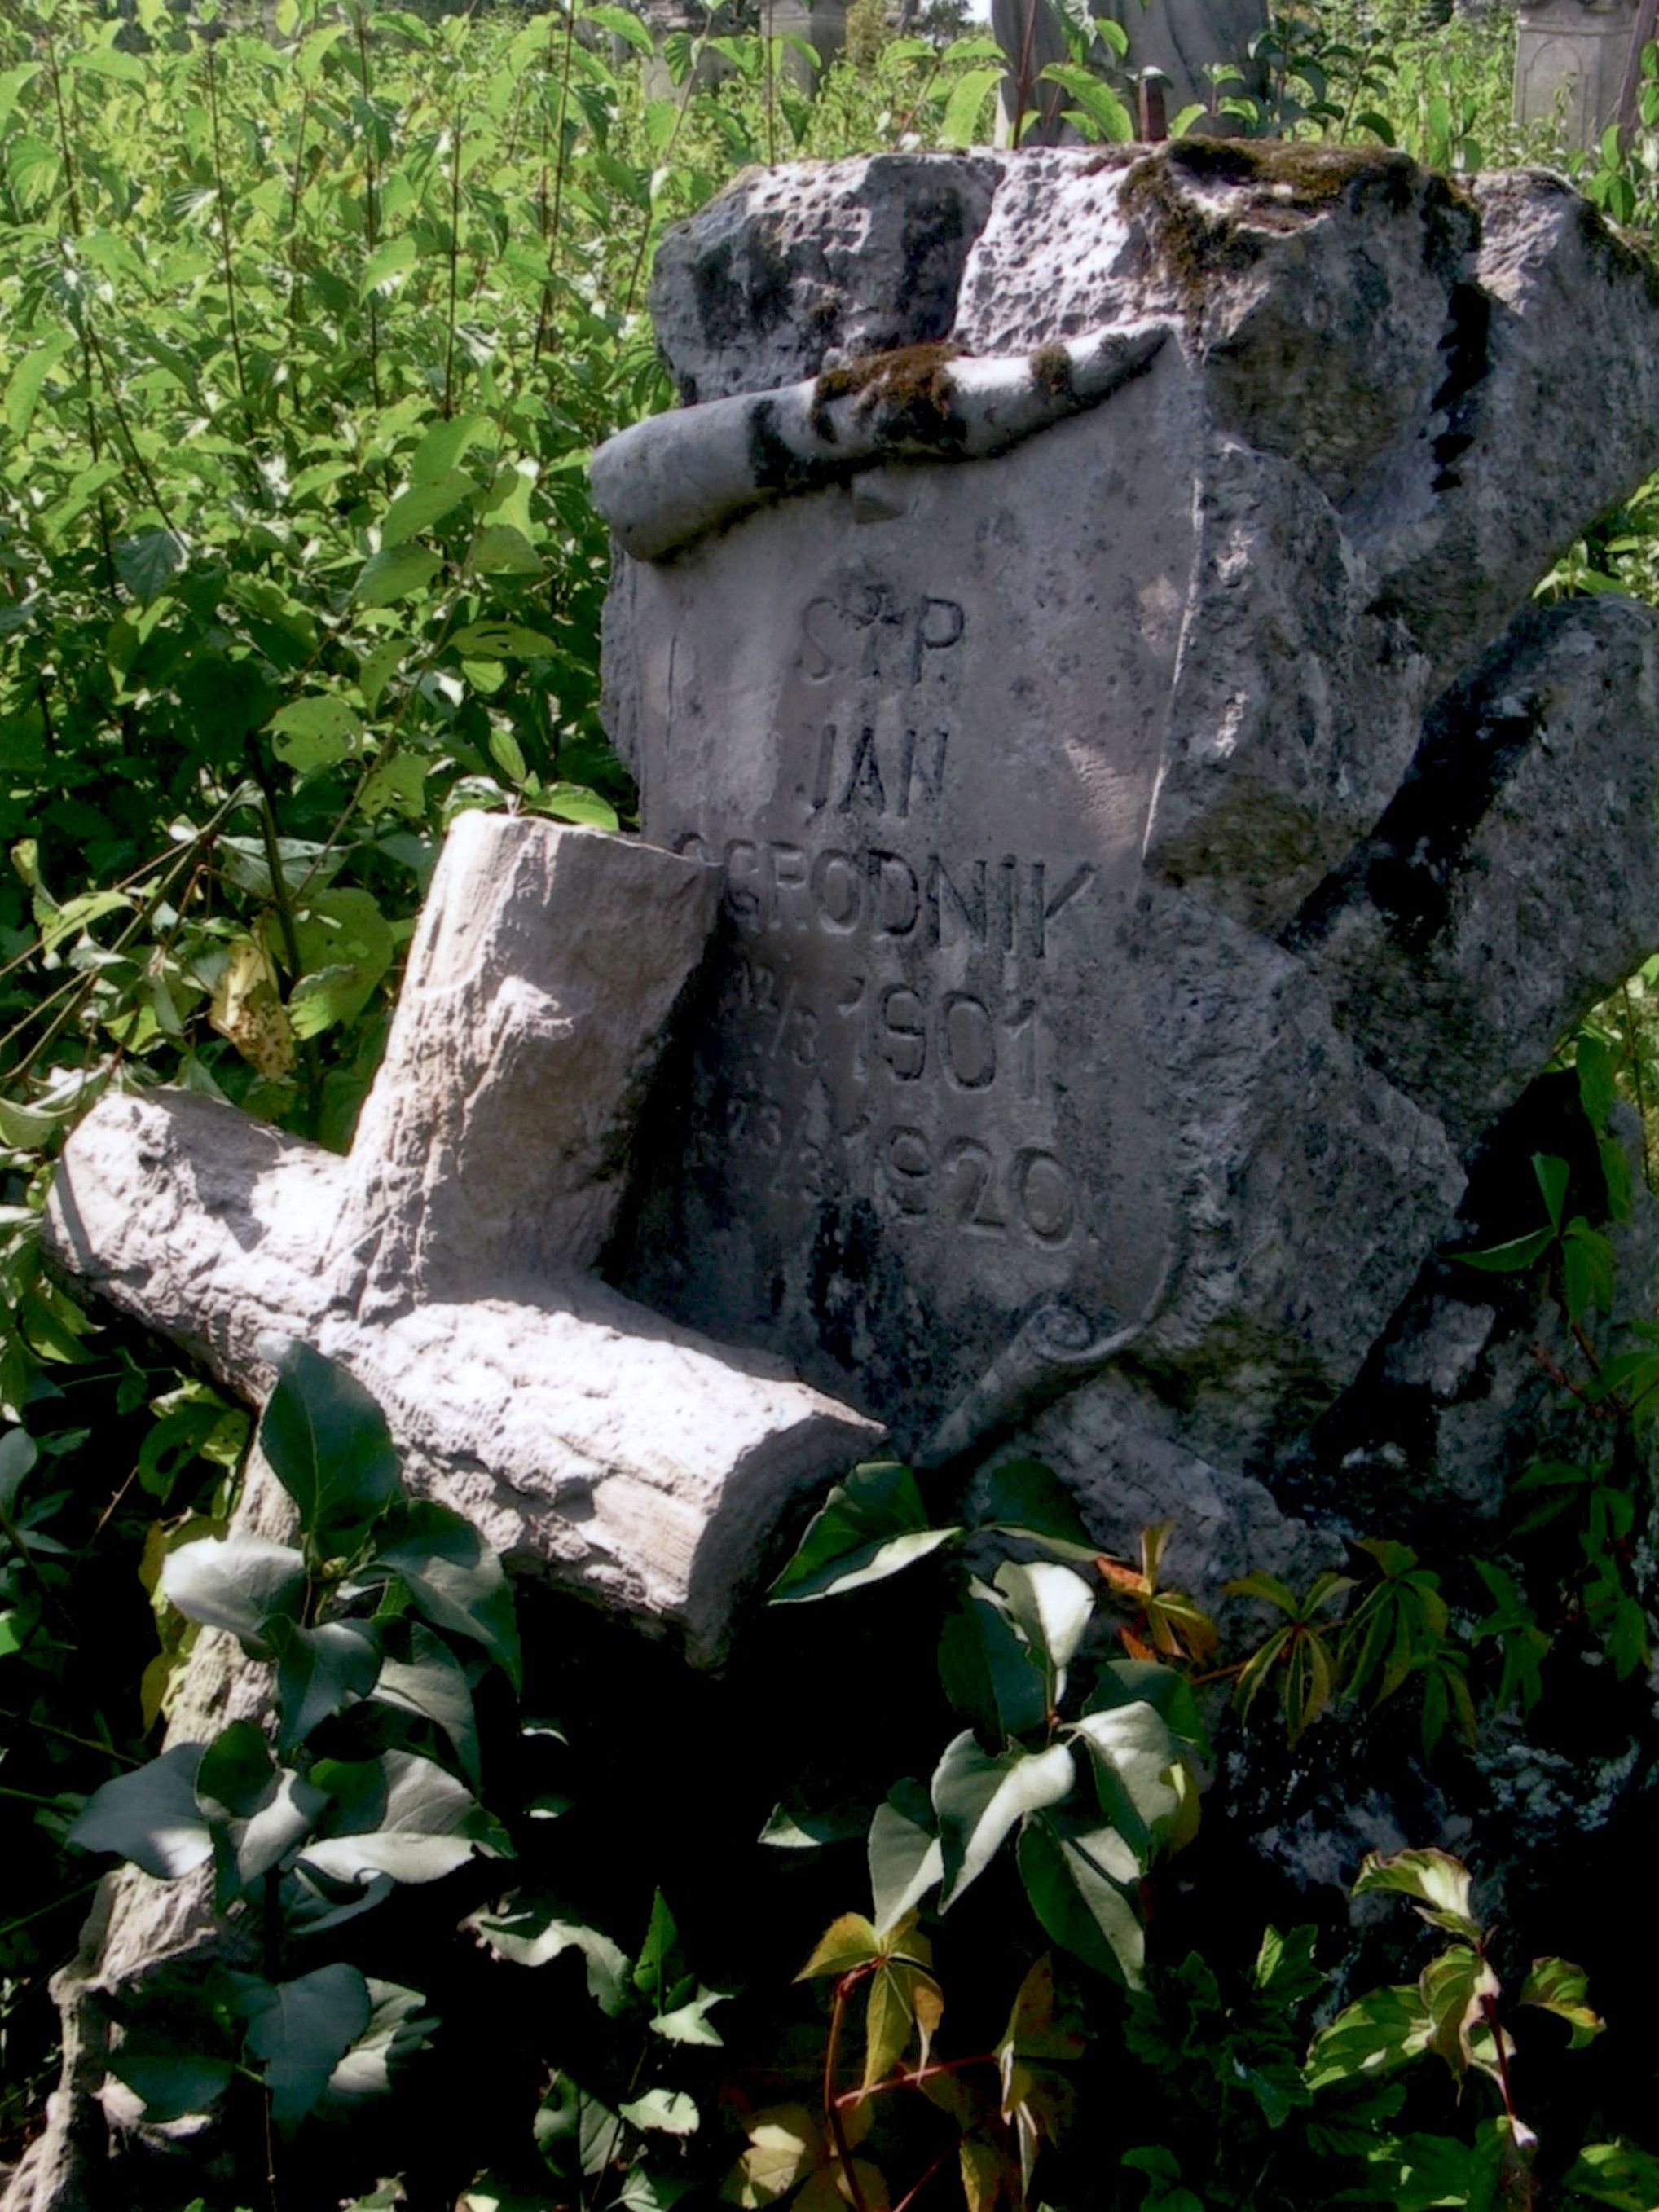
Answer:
(1561, 1988)
(1440, 1884)
(1618, 2174)
(236, 1582)
(535, 1935)
(848, 1943)
(148, 562)
(1284, 1974)
(149, 1816)
(390, 260)
(668, 2112)
(301, 2030)
(1133, 1753)
(1377, 2033)
(1080, 1905)
(111, 62)
(455, 1578)
(978, 1800)
(395, 573)
(871, 1526)
(1587, 1269)
(689, 2022)
(1553, 1176)
(1147, 1681)
(443, 445)
(424, 504)
(433, 1683)
(172, 2084)
(960, 125)
(312, 734)
(574, 802)
(394, 2033)
(906, 1857)
(988, 1671)
(260, 1812)
(399, 1815)
(1052, 1606)
(1023, 1497)
(346, 944)
(1511, 1259)
(319, 1672)
(502, 549)
(329, 1446)
(27, 380)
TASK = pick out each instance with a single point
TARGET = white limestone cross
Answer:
(447, 1260)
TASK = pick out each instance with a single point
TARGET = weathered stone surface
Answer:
(1004, 1076)
(775, 278)
(1570, 64)
(1519, 846)
(442, 1260)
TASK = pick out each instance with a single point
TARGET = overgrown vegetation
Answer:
(311, 328)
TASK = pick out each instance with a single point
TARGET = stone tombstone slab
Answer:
(1569, 62)
(1033, 681)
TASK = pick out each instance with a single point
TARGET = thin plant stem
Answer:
(371, 204)
(58, 1904)
(86, 1743)
(550, 215)
(454, 263)
(295, 278)
(224, 229)
(844, 1989)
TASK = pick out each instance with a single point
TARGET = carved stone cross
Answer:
(447, 1260)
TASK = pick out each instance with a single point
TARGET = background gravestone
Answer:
(1570, 61)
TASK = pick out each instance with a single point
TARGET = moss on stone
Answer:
(1279, 185)
(912, 385)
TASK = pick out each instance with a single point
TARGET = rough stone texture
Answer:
(768, 285)
(1529, 809)
(442, 1262)
(1060, 1024)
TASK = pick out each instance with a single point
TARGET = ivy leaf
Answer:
(149, 1816)
(1133, 1753)
(1561, 1988)
(978, 1800)
(329, 1447)
(236, 1582)
(847, 1944)
(689, 2022)
(1052, 1607)
(302, 2029)
(1023, 1497)
(906, 1856)
(1069, 1878)
(454, 1577)
(989, 1671)
(870, 1527)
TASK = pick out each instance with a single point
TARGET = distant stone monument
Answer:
(1569, 62)
(1179, 40)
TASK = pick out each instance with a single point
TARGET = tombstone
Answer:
(1038, 619)
(1180, 39)
(1570, 61)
